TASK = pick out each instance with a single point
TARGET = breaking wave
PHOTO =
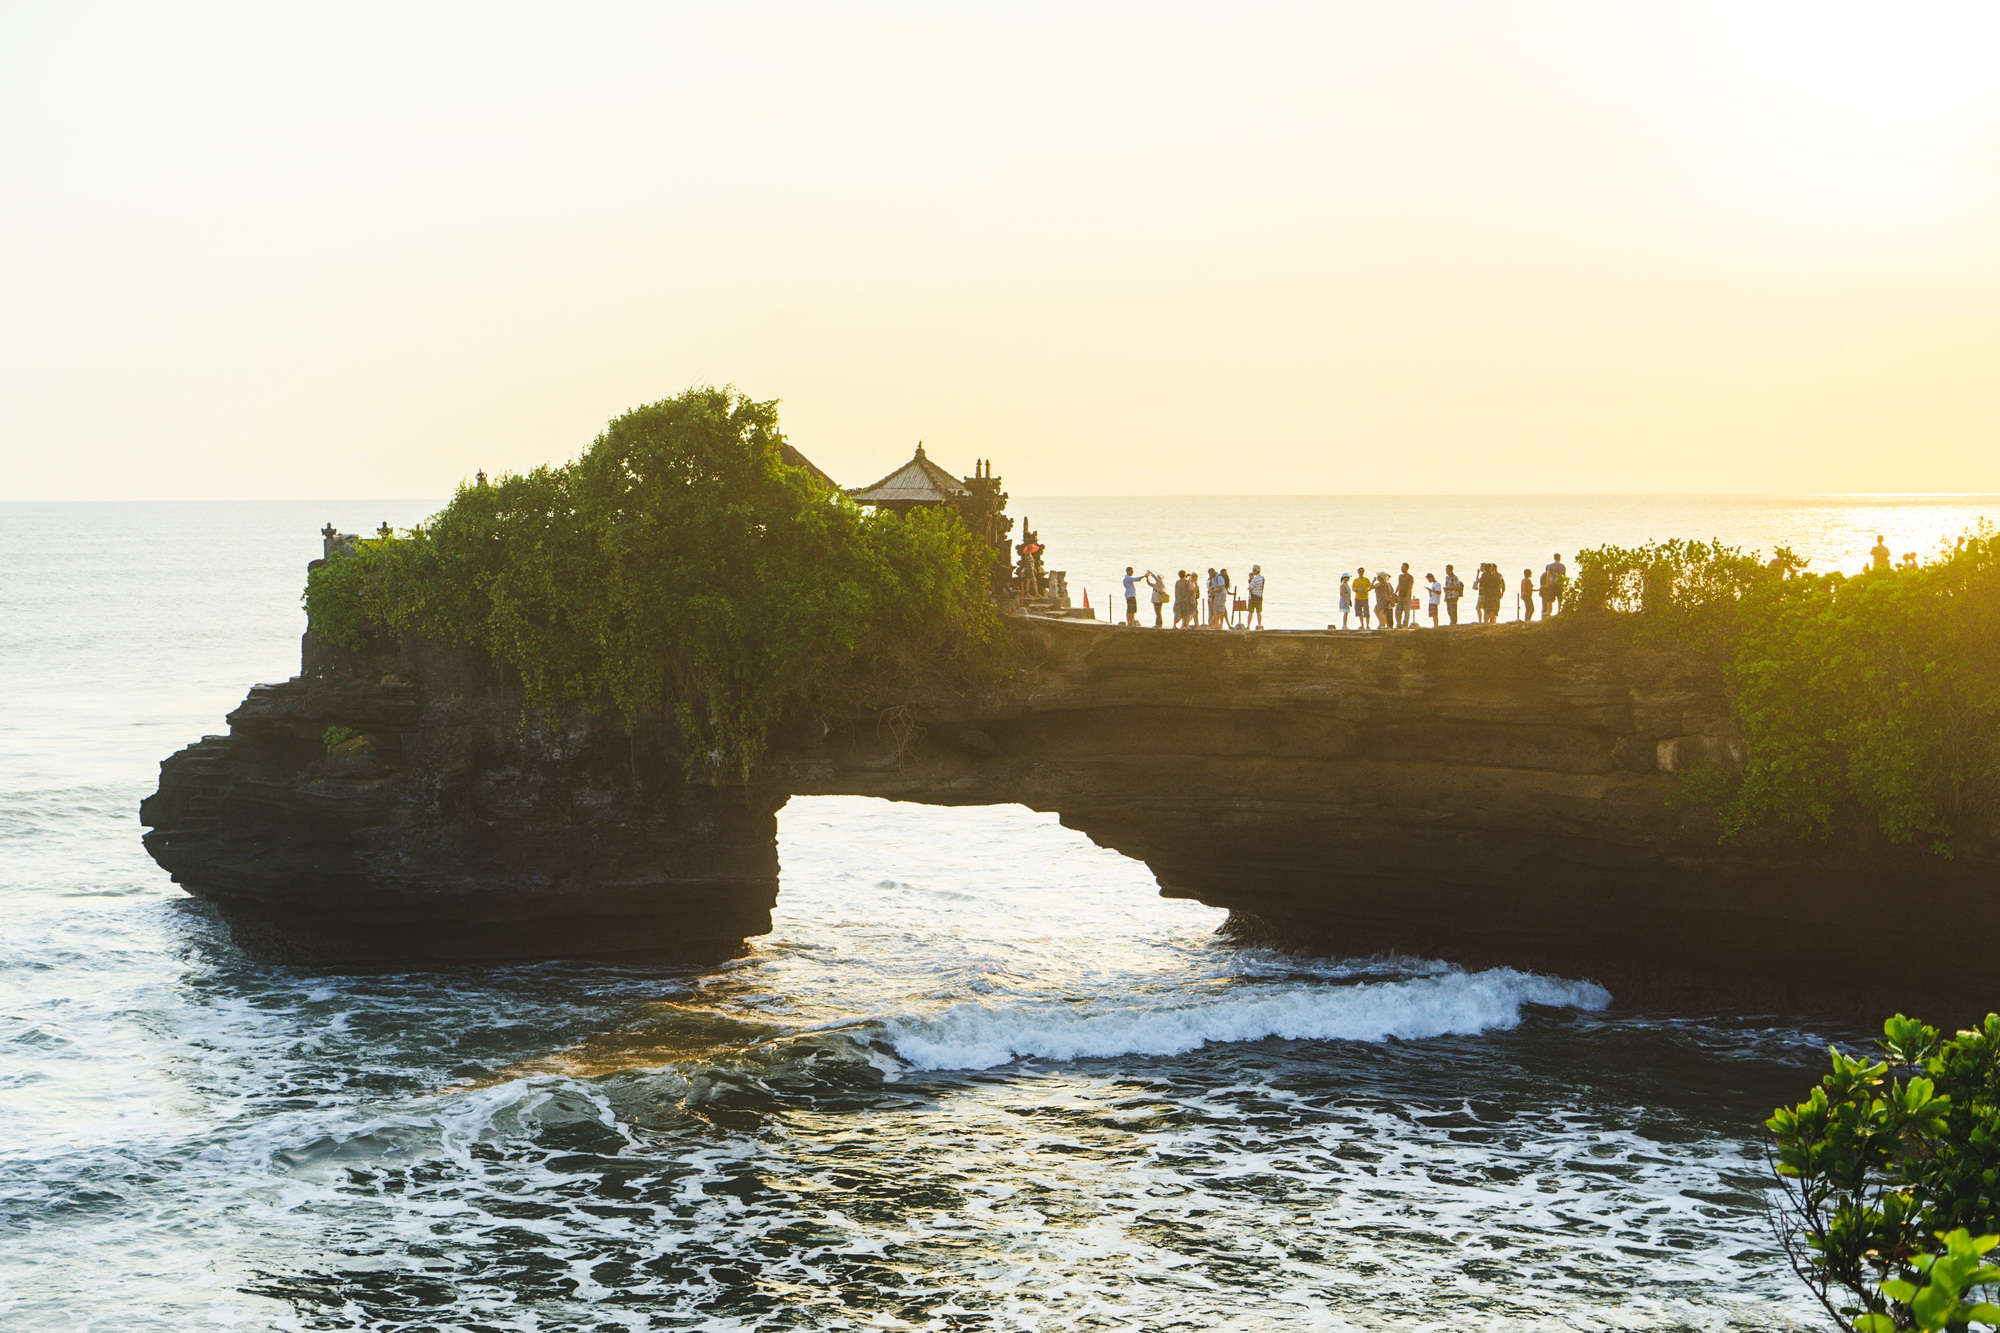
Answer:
(974, 1036)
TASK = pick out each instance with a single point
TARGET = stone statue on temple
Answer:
(1029, 580)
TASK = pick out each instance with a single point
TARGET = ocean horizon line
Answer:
(1427, 496)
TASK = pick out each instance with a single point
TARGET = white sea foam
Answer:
(974, 1036)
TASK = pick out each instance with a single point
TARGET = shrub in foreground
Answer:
(1890, 1176)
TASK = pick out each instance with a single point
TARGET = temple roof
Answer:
(918, 481)
(793, 458)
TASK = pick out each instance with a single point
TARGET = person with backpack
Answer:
(1406, 583)
(1454, 589)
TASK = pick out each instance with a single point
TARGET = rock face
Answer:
(1486, 795)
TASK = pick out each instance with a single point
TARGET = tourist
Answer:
(1361, 587)
(1346, 599)
(1454, 589)
(1218, 587)
(1879, 555)
(1555, 581)
(1491, 587)
(1405, 584)
(1131, 598)
(1184, 601)
(1524, 603)
(1385, 601)
(1256, 588)
(1159, 587)
(1434, 590)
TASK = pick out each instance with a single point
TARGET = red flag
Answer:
(1086, 599)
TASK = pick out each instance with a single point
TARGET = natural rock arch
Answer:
(1490, 795)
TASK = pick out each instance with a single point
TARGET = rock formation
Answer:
(1485, 795)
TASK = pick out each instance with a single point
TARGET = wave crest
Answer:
(973, 1036)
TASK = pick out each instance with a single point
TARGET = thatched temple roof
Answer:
(917, 482)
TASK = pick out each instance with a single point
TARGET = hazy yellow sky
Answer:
(282, 250)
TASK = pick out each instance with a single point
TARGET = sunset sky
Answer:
(361, 250)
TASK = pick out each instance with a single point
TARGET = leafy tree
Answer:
(1890, 1175)
(1869, 704)
(681, 568)
(1876, 696)
(1692, 594)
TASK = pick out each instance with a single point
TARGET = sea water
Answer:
(980, 1076)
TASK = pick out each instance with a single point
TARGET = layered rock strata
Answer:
(1490, 795)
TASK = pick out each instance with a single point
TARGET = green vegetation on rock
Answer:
(1891, 1181)
(681, 569)
(334, 737)
(1868, 703)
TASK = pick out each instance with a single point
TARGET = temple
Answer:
(917, 484)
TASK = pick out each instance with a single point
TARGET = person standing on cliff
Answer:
(1183, 600)
(1524, 605)
(1454, 589)
(1385, 601)
(1159, 587)
(1555, 581)
(1361, 587)
(1256, 588)
(1878, 555)
(1406, 584)
(1491, 586)
(1433, 590)
(1131, 583)
(1346, 599)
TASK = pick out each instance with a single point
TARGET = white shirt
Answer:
(1256, 585)
(1436, 591)
(1132, 586)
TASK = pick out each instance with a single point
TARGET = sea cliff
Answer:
(1486, 795)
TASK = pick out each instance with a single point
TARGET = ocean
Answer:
(981, 1076)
